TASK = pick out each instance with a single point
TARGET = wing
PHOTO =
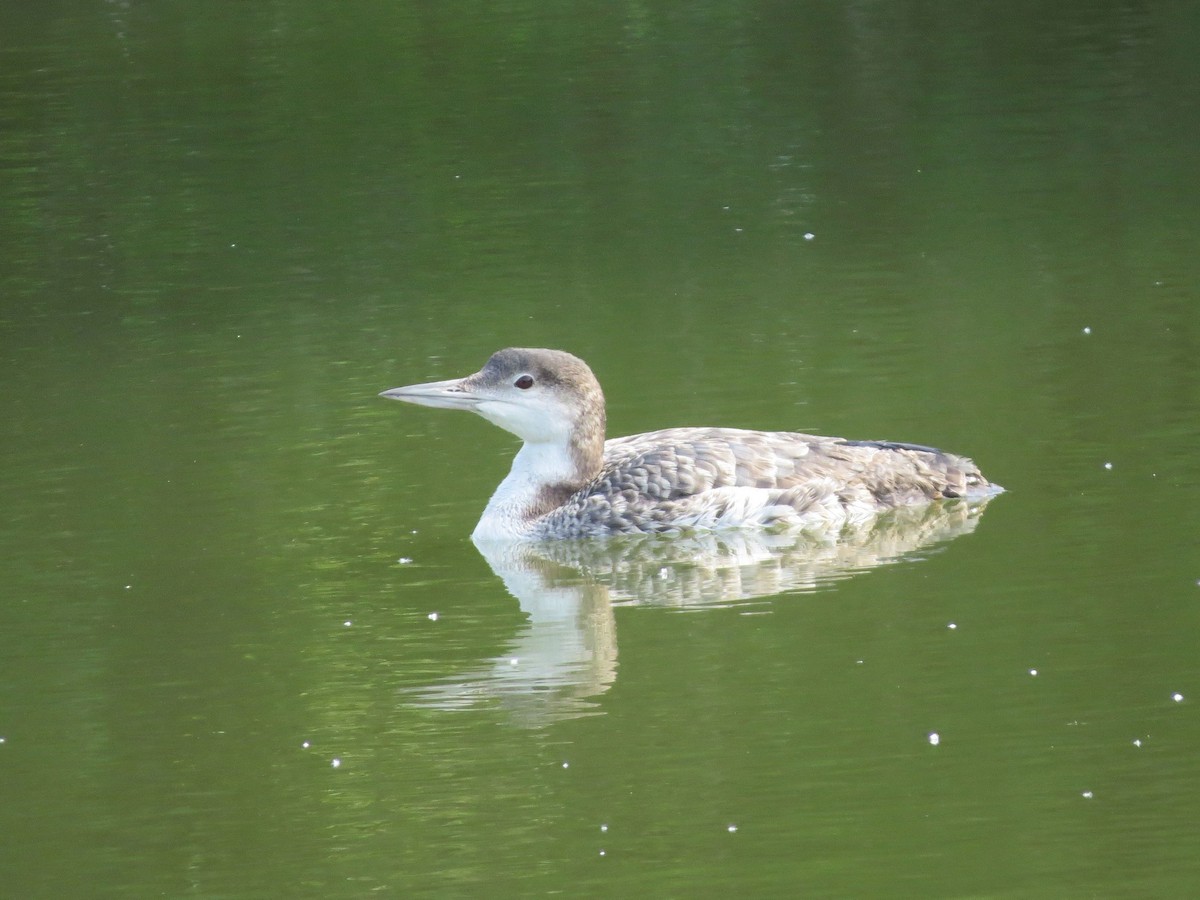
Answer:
(708, 477)
(678, 462)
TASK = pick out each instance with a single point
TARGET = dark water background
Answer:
(225, 227)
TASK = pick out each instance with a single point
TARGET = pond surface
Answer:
(246, 646)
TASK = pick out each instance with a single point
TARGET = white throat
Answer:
(536, 468)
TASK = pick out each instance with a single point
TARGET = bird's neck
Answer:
(543, 476)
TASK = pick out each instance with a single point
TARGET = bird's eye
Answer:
(525, 382)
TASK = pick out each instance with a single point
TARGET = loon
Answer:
(567, 481)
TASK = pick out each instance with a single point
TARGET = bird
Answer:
(568, 481)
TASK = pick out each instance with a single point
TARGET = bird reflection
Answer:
(565, 656)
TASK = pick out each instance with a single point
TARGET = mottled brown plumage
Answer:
(709, 477)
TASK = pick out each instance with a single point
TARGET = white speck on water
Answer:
(128, 586)
(738, 230)
(432, 617)
(1137, 742)
(514, 661)
(604, 828)
(3, 740)
(1087, 329)
(602, 853)
(1087, 795)
(404, 560)
(952, 626)
(808, 235)
(305, 745)
(1177, 697)
(731, 829)
(347, 623)
(858, 662)
(934, 738)
(566, 765)
(1033, 672)
(1108, 466)
(336, 763)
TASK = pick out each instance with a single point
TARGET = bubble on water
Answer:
(1108, 466)
(934, 738)
(336, 763)
(1177, 697)
(432, 617)
(731, 828)
(1087, 329)
(952, 626)
(1033, 672)
(1087, 795)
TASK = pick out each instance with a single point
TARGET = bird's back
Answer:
(716, 477)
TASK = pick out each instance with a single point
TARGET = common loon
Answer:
(567, 481)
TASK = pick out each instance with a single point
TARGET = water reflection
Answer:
(566, 654)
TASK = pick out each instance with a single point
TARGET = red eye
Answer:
(525, 382)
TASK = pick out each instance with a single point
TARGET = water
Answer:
(227, 564)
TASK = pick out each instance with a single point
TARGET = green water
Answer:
(225, 227)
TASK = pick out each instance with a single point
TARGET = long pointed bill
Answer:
(449, 394)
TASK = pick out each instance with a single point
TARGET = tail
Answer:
(937, 474)
(964, 480)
